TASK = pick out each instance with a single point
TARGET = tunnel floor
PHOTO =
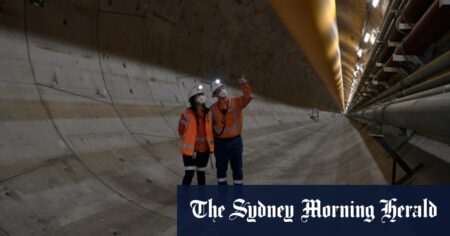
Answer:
(84, 201)
(330, 151)
(136, 195)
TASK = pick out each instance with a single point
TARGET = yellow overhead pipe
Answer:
(312, 24)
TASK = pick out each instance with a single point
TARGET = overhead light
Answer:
(358, 67)
(359, 53)
(200, 87)
(372, 38)
(375, 3)
(366, 37)
(217, 81)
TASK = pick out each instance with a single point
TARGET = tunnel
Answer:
(91, 93)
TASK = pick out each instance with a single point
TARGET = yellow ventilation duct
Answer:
(312, 24)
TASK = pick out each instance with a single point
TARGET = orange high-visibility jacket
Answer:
(190, 137)
(233, 119)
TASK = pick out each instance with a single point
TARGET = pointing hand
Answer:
(242, 80)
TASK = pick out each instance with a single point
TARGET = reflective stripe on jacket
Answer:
(233, 117)
(187, 129)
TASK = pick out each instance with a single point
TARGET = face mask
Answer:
(201, 99)
(223, 93)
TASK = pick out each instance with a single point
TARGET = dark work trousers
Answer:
(229, 151)
(194, 163)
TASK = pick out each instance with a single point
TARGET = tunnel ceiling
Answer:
(206, 39)
(329, 33)
(354, 19)
(350, 19)
(313, 26)
(213, 34)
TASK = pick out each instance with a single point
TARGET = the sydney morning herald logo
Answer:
(312, 209)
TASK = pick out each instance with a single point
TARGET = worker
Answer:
(195, 130)
(227, 129)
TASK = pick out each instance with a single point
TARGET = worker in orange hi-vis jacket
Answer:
(195, 130)
(227, 129)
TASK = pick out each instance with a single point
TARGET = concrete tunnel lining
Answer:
(88, 113)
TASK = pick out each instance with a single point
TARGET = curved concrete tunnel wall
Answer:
(91, 93)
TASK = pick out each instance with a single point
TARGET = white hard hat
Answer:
(215, 85)
(197, 89)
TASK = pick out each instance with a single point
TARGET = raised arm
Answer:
(246, 92)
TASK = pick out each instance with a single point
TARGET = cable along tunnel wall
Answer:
(403, 102)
